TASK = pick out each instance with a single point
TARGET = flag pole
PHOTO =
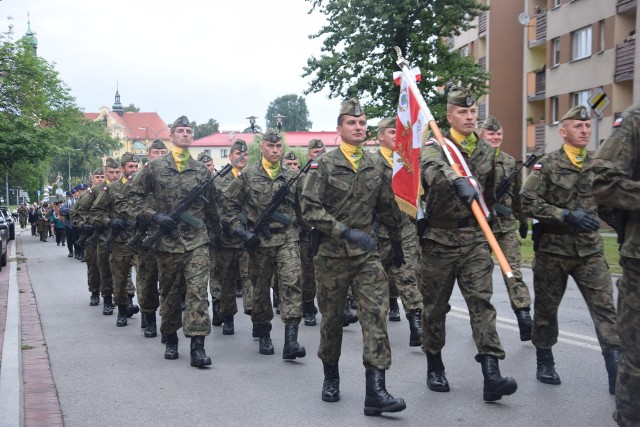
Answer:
(475, 207)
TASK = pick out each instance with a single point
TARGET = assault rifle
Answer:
(108, 244)
(141, 231)
(505, 183)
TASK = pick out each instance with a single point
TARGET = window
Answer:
(223, 153)
(556, 3)
(555, 116)
(601, 36)
(555, 44)
(580, 98)
(581, 43)
(464, 50)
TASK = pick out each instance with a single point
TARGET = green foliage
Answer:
(295, 112)
(358, 59)
(131, 108)
(205, 129)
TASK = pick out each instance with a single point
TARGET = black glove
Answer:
(251, 240)
(465, 191)
(398, 254)
(100, 228)
(524, 228)
(117, 224)
(359, 238)
(581, 219)
(142, 222)
(165, 221)
(87, 228)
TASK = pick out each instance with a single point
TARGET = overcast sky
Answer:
(221, 59)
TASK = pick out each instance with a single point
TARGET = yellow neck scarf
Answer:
(576, 155)
(497, 153)
(467, 143)
(181, 157)
(124, 179)
(352, 153)
(235, 172)
(272, 169)
(387, 153)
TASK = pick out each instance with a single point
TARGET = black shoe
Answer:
(394, 310)
(415, 327)
(495, 386)
(216, 318)
(122, 316)
(132, 308)
(525, 323)
(150, 328)
(309, 311)
(292, 348)
(266, 346)
(348, 317)
(331, 384)
(227, 326)
(171, 350)
(107, 307)
(612, 358)
(70, 255)
(546, 367)
(199, 357)
(436, 380)
(378, 399)
(94, 299)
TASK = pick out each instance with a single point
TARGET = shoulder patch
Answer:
(618, 122)
(537, 166)
(314, 165)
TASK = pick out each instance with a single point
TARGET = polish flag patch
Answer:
(314, 165)
(537, 166)
(618, 122)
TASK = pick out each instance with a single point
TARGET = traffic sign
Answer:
(598, 100)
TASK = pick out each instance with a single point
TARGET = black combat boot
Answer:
(94, 299)
(143, 321)
(199, 357)
(107, 308)
(227, 327)
(349, 317)
(331, 384)
(436, 380)
(171, 350)
(612, 358)
(292, 348)
(309, 311)
(415, 327)
(525, 323)
(132, 308)
(150, 328)
(255, 330)
(495, 386)
(378, 399)
(266, 346)
(276, 301)
(546, 367)
(394, 310)
(122, 316)
(216, 318)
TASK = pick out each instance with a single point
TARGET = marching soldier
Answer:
(558, 194)
(343, 190)
(504, 227)
(291, 161)
(23, 214)
(42, 223)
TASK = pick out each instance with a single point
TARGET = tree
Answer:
(131, 108)
(358, 58)
(295, 112)
(210, 127)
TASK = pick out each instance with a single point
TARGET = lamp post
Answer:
(279, 118)
(252, 123)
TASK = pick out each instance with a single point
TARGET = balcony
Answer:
(627, 6)
(536, 85)
(482, 24)
(625, 58)
(539, 136)
(538, 30)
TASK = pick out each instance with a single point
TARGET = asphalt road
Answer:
(108, 376)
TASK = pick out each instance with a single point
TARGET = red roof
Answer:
(138, 126)
(293, 139)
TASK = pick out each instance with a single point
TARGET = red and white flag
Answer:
(412, 127)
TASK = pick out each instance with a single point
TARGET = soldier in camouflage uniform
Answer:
(508, 214)
(83, 205)
(455, 248)
(616, 183)
(183, 248)
(558, 194)
(23, 214)
(121, 260)
(403, 280)
(291, 161)
(342, 192)
(251, 192)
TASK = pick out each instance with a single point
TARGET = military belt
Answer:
(557, 229)
(461, 223)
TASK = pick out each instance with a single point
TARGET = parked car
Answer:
(10, 222)
(4, 240)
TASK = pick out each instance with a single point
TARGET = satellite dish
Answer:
(523, 18)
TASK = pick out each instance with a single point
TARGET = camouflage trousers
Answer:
(191, 270)
(518, 291)
(106, 280)
(370, 285)
(121, 262)
(550, 275)
(147, 280)
(93, 274)
(403, 280)
(43, 229)
(472, 266)
(229, 262)
(308, 277)
(283, 261)
(214, 274)
(628, 381)
(247, 286)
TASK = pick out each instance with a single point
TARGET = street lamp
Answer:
(279, 118)
(252, 123)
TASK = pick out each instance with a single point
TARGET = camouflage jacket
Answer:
(334, 195)
(441, 200)
(80, 212)
(505, 165)
(168, 187)
(229, 240)
(616, 181)
(251, 192)
(556, 184)
(408, 227)
(104, 207)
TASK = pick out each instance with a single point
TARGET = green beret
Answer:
(111, 163)
(99, 171)
(351, 107)
(181, 121)
(579, 112)
(387, 123)
(460, 97)
(128, 157)
(290, 156)
(157, 144)
(204, 157)
(239, 145)
(316, 143)
(271, 135)
(491, 124)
